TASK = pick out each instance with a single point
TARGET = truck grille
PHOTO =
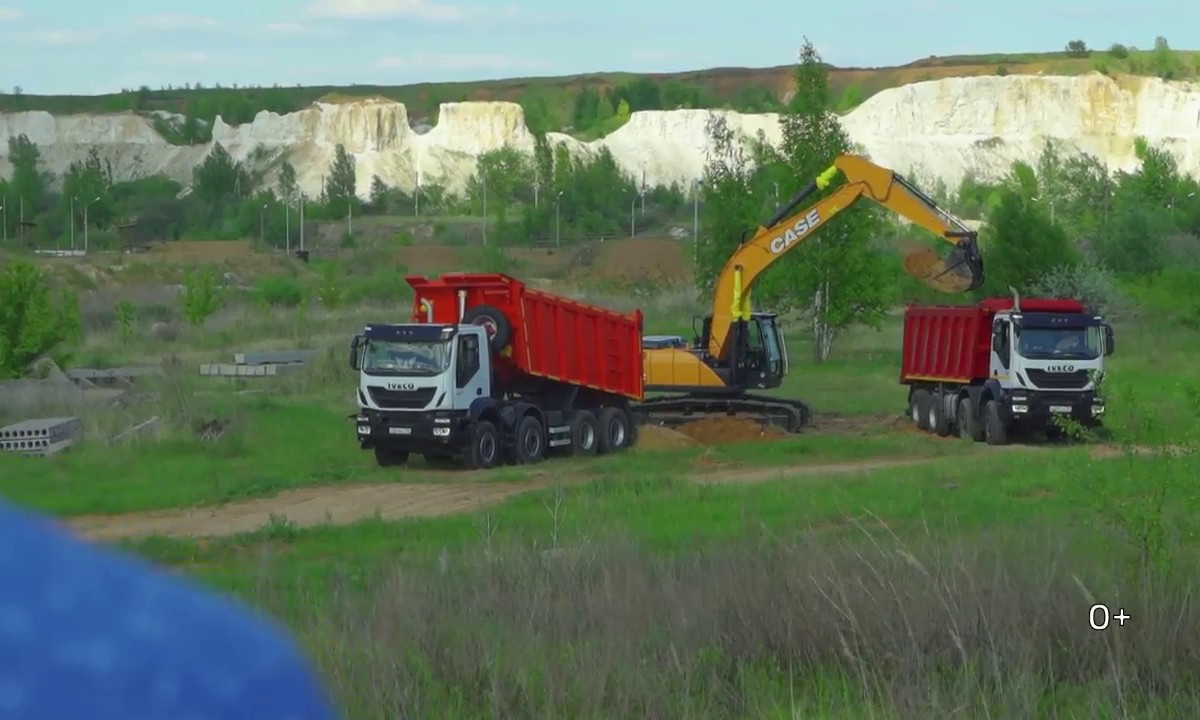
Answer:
(401, 399)
(1058, 381)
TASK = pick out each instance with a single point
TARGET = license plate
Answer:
(364, 430)
(400, 431)
(1060, 408)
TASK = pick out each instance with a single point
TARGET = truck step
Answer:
(787, 414)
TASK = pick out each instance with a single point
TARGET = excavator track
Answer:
(785, 413)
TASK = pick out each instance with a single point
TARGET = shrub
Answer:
(279, 291)
(32, 321)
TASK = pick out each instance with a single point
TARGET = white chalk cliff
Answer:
(939, 129)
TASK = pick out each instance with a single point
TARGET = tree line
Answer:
(1061, 226)
(520, 197)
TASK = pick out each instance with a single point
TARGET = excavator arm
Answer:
(960, 271)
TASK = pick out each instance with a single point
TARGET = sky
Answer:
(98, 46)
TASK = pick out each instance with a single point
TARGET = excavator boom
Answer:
(960, 271)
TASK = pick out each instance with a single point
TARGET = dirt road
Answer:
(347, 504)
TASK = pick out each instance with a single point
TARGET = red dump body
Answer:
(553, 337)
(952, 343)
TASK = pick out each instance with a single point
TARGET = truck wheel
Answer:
(483, 449)
(968, 421)
(389, 457)
(918, 408)
(994, 430)
(530, 444)
(584, 434)
(937, 420)
(614, 430)
(494, 321)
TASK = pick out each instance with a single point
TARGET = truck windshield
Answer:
(409, 358)
(1074, 343)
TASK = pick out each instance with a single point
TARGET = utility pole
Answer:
(85, 223)
(643, 192)
(695, 222)
(350, 217)
(558, 220)
(4, 211)
(73, 201)
(633, 215)
(417, 192)
(287, 227)
(301, 223)
(536, 184)
(262, 225)
(485, 213)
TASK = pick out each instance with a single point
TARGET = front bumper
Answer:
(1039, 407)
(408, 430)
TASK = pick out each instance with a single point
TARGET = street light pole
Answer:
(695, 221)
(4, 211)
(485, 213)
(262, 225)
(73, 201)
(85, 223)
(633, 215)
(287, 227)
(558, 219)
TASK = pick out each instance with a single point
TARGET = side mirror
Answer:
(1110, 343)
(998, 340)
(355, 343)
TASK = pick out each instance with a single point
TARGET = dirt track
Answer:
(347, 504)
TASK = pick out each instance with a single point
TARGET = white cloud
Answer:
(466, 61)
(172, 22)
(374, 9)
(67, 37)
(8, 13)
(192, 57)
(290, 28)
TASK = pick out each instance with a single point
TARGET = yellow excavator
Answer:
(737, 350)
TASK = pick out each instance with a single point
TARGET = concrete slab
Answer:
(228, 370)
(40, 430)
(48, 449)
(274, 357)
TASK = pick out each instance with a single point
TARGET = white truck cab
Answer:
(1047, 363)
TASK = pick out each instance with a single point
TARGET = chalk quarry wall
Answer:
(939, 129)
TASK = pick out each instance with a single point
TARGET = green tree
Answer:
(379, 195)
(32, 321)
(89, 183)
(507, 173)
(729, 208)
(289, 188)
(340, 185)
(837, 275)
(1023, 244)
(28, 183)
(219, 178)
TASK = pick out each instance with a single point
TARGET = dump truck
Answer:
(1004, 366)
(489, 371)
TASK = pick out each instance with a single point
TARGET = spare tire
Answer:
(494, 322)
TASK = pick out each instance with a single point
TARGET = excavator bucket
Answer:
(961, 270)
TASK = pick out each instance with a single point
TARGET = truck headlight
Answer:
(441, 432)
(1020, 408)
(364, 430)
(1097, 409)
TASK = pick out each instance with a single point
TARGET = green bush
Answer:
(32, 321)
(279, 291)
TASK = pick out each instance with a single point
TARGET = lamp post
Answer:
(695, 221)
(4, 211)
(85, 222)
(558, 219)
(262, 224)
(287, 227)
(73, 201)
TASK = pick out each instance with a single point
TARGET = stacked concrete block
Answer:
(43, 436)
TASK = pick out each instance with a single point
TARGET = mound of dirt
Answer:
(657, 437)
(716, 431)
(639, 259)
(430, 258)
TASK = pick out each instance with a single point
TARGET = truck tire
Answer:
(530, 442)
(494, 321)
(994, 429)
(615, 432)
(969, 427)
(483, 447)
(937, 420)
(389, 457)
(584, 434)
(918, 408)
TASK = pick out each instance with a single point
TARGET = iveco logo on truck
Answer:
(799, 229)
(401, 386)
(1060, 368)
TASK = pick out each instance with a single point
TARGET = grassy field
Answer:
(864, 569)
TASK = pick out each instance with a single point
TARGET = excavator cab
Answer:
(757, 357)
